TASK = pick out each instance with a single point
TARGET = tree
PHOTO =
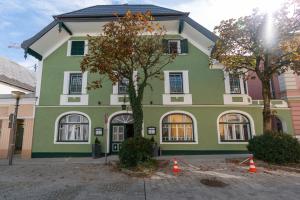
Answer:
(266, 44)
(128, 44)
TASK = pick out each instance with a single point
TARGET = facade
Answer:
(193, 108)
(14, 77)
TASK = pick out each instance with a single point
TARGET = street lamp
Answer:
(12, 137)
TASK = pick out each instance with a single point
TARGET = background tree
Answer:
(266, 44)
(129, 43)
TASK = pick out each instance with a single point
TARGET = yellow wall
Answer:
(26, 112)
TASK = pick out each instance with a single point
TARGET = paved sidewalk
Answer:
(86, 178)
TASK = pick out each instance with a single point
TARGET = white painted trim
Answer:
(55, 47)
(70, 44)
(108, 127)
(39, 74)
(227, 84)
(167, 82)
(114, 97)
(168, 106)
(187, 99)
(167, 96)
(239, 112)
(72, 112)
(65, 95)
(247, 100)
(195, 127)
(84, 99)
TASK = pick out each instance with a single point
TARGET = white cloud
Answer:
(210, 13)
(29, 62)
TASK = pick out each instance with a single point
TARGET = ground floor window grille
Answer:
(73, 128)
(234, 127)
(177, 128)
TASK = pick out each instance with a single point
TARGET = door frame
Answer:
(108, 125)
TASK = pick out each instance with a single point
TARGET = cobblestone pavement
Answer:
(84, 178)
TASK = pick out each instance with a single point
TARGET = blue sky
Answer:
(21, 19)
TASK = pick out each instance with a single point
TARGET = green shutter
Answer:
(165, 45)
(184, 46)
(77, 48)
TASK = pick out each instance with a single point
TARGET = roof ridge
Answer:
(115, 5)
(54, 16)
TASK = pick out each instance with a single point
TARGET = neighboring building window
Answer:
(175, 46)
(123, 86)
(235, 84)
(176, 83)
(177, 128)
(234, 127)
(75, 83)
(73, 128)
(77, 48)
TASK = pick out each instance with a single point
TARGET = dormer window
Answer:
(77, 47)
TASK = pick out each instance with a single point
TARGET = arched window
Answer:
(177, 128)
(234, 127)
(73, 128)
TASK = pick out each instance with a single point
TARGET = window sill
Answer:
(177, 99)
(174, 142)
(116, 99)
(72, 142)
(68, 99)
(234, 142)
(237, 99)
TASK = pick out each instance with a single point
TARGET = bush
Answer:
(135, 151)
(278, 148)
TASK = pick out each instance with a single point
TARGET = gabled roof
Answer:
(108, 12)
(16, 75)
(111, 10)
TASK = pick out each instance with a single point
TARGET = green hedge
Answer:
(278, 148)
(135, 151)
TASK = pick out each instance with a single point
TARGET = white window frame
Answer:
(70, 46)
(252, 127)
(83, 96)
(195, 128)
(57, 125)
(186, 89)
(67, 82)
(114, 97)
(227, 85)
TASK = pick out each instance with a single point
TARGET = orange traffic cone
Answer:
(176, 168)
(252, 167)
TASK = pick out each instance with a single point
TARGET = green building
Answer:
(192, 109)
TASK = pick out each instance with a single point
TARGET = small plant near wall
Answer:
(96, 149)
(277, 148)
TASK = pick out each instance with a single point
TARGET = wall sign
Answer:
(98, 131)
(151, 130)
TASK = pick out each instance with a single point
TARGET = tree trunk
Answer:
(267, 115)
(137, 112)
(137, 109)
